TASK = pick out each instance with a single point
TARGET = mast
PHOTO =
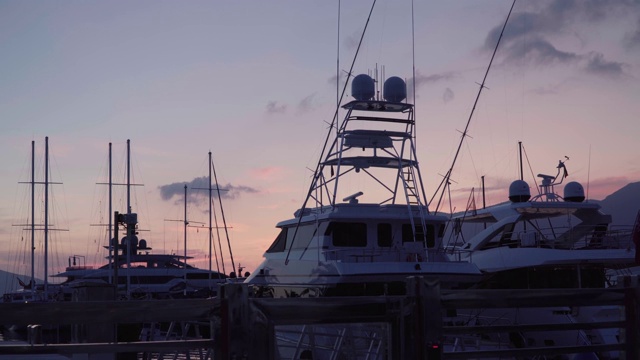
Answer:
(224, 221)
(46, 215)
(210, 219)
(110, 231)
(129, 225)
(186, 223)
(33, 215)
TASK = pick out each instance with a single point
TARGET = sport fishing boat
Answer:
(374, 239)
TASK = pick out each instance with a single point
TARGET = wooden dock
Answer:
(238, 326)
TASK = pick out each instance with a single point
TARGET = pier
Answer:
(236, 325)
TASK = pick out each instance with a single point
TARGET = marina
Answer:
(365, 267)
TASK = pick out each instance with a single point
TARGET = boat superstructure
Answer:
(534, 237)
(143, 274)
(353, 241)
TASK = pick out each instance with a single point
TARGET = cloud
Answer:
(421, 80)
(433, 78)
(531, 33)
(274, 108)
(448, 95)
(632, 38)
(596, 64)
(351, 41)
(228, 191)
(306, 104)
(539, 52)
(267, 172)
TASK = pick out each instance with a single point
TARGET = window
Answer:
(348, 234)
(279, 243)
(303, 236)
(407, 234)
(385, 237)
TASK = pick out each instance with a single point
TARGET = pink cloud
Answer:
(267, 173)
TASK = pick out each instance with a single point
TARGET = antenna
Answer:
(466, 128)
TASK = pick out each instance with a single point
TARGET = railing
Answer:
(409, 327)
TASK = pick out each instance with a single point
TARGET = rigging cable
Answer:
(334, 121)
(224, 220)
(446, 178)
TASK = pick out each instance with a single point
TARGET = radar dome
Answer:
(395, 90)
(573, 192)
(362, 87)
(519, 191)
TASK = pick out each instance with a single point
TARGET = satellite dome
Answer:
(519, 191)
(395, 90)
(142, 245)
(573, 192)
(362, 87)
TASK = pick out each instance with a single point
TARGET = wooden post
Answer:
(427, 317)
(235, 316)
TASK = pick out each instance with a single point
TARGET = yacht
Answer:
(372, 240)
(135, 270)
(545, 241)
(139, 273)
(548, 241)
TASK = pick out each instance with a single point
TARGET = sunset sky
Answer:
(254, 82)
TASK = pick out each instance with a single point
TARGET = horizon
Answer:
(255, 84)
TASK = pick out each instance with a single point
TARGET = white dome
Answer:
(395, 90)
(573, 192)
(519, 191)
(362, 87)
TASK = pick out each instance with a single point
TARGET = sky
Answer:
(254, 82)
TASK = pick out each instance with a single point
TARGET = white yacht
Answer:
(547, 241)
(369, 243)
(143, 274)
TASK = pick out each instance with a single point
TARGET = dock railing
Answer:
(412, 326)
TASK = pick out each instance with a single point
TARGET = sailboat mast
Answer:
(46, 215)
(186, 223)
(224, 221)
(129, 230)
(33, 214)
(110, 232)
(210, 219)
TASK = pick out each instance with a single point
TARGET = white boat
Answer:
(369, 243)
(547, 241)
(148, 275)
(136, 271)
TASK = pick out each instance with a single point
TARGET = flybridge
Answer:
(384, 139)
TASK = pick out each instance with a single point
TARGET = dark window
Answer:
(407, 233)
(348, 234)
(408, 236)
(385, 238)
(279, 243)
(431, 235)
